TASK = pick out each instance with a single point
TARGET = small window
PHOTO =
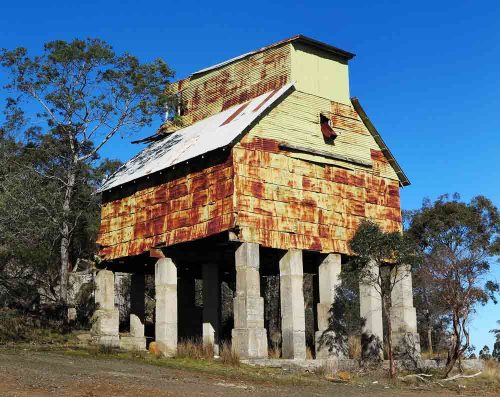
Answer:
(174, 108)
(326, 127)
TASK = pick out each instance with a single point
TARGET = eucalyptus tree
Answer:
(72, 99)
(459, 242)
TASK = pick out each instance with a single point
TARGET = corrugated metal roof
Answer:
(298, 38)
(209, 134)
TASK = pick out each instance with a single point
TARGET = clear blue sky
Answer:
(426, 72)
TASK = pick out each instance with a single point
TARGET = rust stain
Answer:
(189, 207)
(377, 155)
(266, 99)
(306, 206)
(209, 93)
(235, 114)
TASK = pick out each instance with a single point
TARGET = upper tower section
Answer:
(316, 68)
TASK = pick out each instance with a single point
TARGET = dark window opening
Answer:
(327, 129)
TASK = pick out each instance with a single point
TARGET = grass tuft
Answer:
(194, 349)
(274, 352)
(354, 347)
(229, 356)
(309, 353)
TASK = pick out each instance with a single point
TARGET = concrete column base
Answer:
(166, 306)
(293, 326)
(404, 332)
(132, 343)
(293, 344)
(250, 342)
(105, 324)
(249, 337)
(325, 348)
(404, 316)
(106, 318)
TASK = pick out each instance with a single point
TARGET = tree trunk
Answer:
(429, 341)
(390, 350)
(455, 348)
(66, 236)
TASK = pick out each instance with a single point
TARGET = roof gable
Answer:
(207, 135)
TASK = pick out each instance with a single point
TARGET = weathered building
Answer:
(273, 170)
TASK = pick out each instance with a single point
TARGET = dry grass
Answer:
(490, 376)
(436, 355)
(354, 347)
(309, 353)
(274, 352)
(229, 356)
(194, 349)
(326, 370)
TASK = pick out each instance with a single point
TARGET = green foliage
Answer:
(458, 242)
(382, 260)
(484, 353)
(25, 328)
(30, 219)
(389, 250)
(65, 104)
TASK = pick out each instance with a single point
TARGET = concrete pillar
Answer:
(136, 340)
(403, 314)
(249, 337)
(211, 304)
(293, 325)
(370, 304)
(329, 281)
(166, 306)
(106, 318)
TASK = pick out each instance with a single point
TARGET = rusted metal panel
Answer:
(214, 90)
(283, 202)
(190, 207)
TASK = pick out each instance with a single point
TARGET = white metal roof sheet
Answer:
(202, 137)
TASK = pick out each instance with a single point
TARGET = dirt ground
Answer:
(42, 373)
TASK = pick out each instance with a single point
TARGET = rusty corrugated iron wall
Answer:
(189, 207)
(209, 93)
(285, 199)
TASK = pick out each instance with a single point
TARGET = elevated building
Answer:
(274, 168)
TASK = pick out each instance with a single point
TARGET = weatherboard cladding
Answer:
(185, 187)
